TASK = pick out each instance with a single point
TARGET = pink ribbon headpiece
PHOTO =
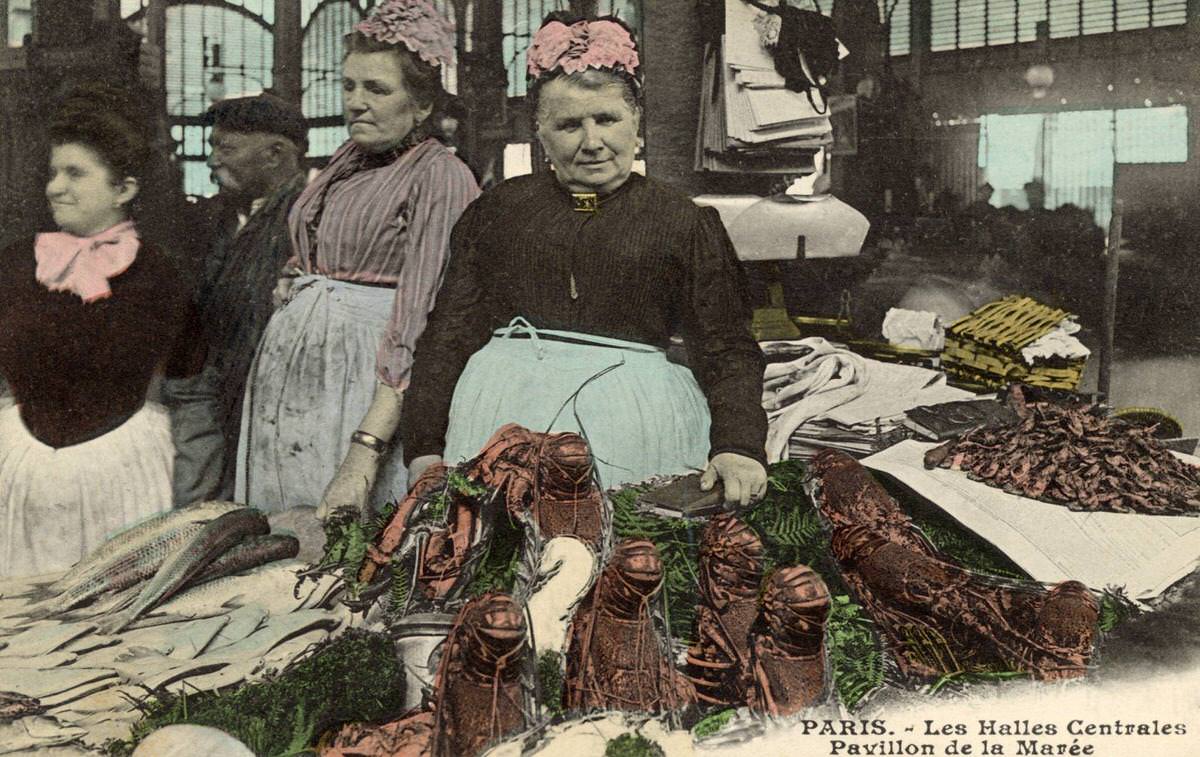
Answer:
(416, 24)
(84, 265)
(602, 44)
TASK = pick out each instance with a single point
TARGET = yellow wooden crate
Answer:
(984, 346)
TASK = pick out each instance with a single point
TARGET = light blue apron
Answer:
(642, 415)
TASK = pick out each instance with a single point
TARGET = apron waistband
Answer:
(308, 279)
(350, 294)
(519, 328)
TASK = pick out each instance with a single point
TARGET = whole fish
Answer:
(267, 586)
(249, 553)
(138, 537)
(213, 540)
(123, 570)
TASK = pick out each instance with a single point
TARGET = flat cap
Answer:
(263, 113)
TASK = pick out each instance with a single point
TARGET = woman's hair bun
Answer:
(111, 120)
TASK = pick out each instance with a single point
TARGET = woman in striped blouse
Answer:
(370, 235)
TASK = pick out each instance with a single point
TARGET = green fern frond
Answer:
(855, 655)
(550, 682)
(398, 595)
(434, 511)
(961, 679)
(356, 551)
(1115, 608)
(497, 570)
(459, 482)
(632, 745)
(712, 723)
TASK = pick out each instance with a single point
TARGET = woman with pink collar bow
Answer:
(87, 315)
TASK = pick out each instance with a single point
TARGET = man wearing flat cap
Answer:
(257, 148)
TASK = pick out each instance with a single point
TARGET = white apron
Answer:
(309, 388)
(57, 505)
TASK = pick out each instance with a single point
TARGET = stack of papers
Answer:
(749, 122)
(858, 440)
(893, 390)
(874, 420)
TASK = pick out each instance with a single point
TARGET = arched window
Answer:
(214, 49)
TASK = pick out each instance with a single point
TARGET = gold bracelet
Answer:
(371, 442)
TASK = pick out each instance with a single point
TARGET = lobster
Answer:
(546, 475)
(477, 694)
(617, 659)
(731, 567)
(938, 617)
(788, 647)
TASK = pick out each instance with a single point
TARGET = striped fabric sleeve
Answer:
(439, 198)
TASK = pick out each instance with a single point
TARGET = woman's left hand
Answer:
(745, 478)
(282, 291)
(351, 486)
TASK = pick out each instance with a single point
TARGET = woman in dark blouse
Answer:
(87, 314)
(578, 278)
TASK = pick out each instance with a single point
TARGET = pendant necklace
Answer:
(582, 202)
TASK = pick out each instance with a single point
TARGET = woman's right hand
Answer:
(351, 486)
(419, 466)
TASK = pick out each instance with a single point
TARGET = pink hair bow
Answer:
(416, 24)
(582, 45)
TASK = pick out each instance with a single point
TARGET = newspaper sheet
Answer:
(1143, 553)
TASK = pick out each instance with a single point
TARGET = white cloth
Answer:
(823, 379)
(566, 571)
(895, 389)
(646, 417)
(1058, 342)
(57, 505)
(309, 388)
(919, 329)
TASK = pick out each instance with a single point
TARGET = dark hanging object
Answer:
(806, 34)
(712, 19)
